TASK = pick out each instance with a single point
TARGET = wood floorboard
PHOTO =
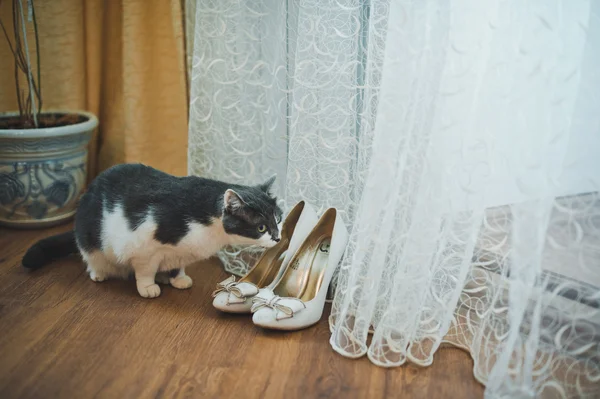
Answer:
(64, 336)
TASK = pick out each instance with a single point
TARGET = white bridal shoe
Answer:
(297, 299)
(235, 296)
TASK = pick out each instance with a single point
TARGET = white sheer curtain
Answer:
(461, 140)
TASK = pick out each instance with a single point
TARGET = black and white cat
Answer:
(136, 219)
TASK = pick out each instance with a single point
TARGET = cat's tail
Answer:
(50, 249)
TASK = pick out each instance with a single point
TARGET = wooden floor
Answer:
(62, 335)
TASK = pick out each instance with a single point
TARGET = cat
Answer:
(136, 219)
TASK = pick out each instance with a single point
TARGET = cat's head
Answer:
(251, 215)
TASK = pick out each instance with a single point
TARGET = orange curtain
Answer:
(123, 60)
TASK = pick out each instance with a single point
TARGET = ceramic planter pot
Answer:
(43, 172)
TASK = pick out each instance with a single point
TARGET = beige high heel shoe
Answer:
(235, 296)
(297, 300)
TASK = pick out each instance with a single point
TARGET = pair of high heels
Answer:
(287, 287)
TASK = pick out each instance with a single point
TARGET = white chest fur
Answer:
(120, 244)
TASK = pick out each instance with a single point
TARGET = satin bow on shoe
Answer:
(284, 307)
(237, 291)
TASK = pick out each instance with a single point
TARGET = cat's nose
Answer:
(276, 239)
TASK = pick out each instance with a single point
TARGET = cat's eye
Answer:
(262, 228)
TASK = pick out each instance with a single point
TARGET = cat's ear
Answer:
(233, 201)
(266, 186)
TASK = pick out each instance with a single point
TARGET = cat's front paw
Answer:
(150, 291)
(181, 282)
(97, 277)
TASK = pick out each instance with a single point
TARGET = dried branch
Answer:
(29, 101)
(37, 56)
(31, 98)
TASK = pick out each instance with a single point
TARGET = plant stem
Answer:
(18, 62)
(37, 56)
(29, 75)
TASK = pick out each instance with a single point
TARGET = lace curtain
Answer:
(461, 141)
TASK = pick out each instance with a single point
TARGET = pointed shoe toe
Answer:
(222, 303)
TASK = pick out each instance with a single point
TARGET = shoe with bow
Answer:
(236, 296)
(297, 300)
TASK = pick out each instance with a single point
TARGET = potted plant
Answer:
(43, 154)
